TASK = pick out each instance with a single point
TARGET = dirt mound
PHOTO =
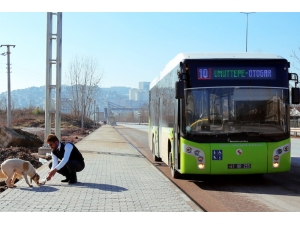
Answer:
(27, 122)
(17, 137)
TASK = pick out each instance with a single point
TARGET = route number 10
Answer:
(203, 74)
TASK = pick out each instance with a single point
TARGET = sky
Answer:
(134, 40)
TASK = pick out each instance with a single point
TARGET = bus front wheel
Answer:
(175, 174)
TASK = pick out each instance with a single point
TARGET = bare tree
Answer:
(130, 117)
(82, 79)
(296, 58)
(296, 66)
(144, 113)
(13, 102)
(3, 103)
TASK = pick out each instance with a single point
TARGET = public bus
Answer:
(222, 113)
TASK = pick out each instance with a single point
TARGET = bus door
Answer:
(159, 130)
(176, 140)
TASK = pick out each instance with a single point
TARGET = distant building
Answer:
(144, 96)
(100, 116)
(134, 94)
(65, 105)
(144, 86)
(97, 116)
(141, 94)
(120, 90)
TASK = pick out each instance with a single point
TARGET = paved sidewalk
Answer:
(117, 178)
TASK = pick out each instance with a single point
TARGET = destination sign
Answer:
(236, 73)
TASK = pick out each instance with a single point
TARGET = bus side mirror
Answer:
(179, 89)
(295, 95)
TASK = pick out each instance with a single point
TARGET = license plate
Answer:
(239, 166)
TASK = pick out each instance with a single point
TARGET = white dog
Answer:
(15, 168)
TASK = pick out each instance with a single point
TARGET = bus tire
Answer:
(175, 174)
(155, 158)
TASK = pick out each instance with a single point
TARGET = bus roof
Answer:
(211, 55)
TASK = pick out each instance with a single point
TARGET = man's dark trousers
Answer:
(69, 170)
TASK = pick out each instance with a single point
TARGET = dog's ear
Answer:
(25, 166)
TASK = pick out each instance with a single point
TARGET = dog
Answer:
(15, 168)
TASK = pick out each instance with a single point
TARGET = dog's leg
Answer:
(9, 175)
(8, 182)
(26, 167)
(14, 179)
(26, 179)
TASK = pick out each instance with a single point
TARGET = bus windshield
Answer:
(225, 110)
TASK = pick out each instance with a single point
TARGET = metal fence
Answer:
(295, 122)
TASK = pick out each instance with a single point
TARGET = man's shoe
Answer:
(72, 181)
(66, 180)
(73, 178)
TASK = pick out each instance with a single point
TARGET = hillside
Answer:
(33, 97)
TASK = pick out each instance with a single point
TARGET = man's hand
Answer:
(51, 174)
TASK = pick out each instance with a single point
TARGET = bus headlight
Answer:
(276, 157)
(201, 166)
(276, 164)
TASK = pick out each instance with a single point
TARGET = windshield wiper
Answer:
(193, 133)
(250, 132)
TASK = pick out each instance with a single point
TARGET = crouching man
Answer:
(66, 160)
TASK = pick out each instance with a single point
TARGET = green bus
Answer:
(222, 113)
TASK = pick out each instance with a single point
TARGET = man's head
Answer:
(52, 141)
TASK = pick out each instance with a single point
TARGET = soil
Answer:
(72, 135)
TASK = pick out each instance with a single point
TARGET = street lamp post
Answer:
(139, 113)
(97, 111)
(8, 84)
(247, 13)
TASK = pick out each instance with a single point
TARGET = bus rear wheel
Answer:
(155, 158)
(175, 174)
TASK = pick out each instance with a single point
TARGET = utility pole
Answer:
(54, 60)
(8, 85)
(95, 113)
(97, 110)
(82, 107)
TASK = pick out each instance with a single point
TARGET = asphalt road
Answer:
(269, 193)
